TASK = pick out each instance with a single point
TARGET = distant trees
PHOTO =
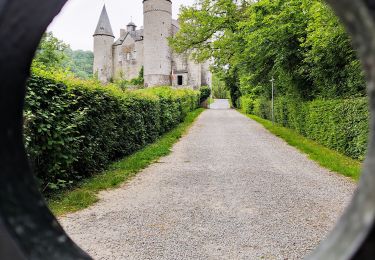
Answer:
(53, 54)
(300, 43)
(219, 89)
(80, 62)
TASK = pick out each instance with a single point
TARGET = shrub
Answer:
(219, 90)
(205, 93)
(135, 83)
(247, 104)
(340, 124)
(76, 128)
(139, 81)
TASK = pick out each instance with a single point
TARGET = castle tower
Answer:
(103, 42)
(157, 15)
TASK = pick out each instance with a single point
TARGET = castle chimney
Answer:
(122, 33)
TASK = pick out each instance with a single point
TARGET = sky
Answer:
(76, 23)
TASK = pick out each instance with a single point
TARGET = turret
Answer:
(103, 42)
(131, 27)
(157, 54)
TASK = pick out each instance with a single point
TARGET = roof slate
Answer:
(104, 26)
(136, 35)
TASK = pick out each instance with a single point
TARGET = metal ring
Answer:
(353, 236)
(28, 230)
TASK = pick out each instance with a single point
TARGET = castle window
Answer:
(180, 80)
(128, 56)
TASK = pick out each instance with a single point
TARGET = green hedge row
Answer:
(340, 124)
(74, 129)
(205, 93)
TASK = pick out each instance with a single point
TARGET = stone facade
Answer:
(148, 48)
(157, 19)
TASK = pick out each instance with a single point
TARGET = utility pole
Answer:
(273, 99)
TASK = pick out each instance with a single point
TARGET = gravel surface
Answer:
(229, 190)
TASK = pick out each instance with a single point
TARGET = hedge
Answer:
(205, 93)
(342, 124)
(76, 128)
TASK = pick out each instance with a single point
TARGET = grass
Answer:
(324, 156)
(86, 194)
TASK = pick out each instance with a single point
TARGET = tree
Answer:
(209, 29)
(79, 62)
(51, 52)
(219, 89)
(298, 42)
(330, 59)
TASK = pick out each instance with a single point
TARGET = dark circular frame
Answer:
(28, 230)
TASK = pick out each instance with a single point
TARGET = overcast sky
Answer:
(76, 24)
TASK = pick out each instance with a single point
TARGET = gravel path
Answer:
(229, 190)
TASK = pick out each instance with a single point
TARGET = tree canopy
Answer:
(51, 51)
(300, 43)
(79, 62)
(53, 54)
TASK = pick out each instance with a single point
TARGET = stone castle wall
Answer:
(103, 62)
(195, 74)
(128, 59)
(157, 53)
(149, 48)
(206, 74)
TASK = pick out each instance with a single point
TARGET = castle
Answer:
(146, 48)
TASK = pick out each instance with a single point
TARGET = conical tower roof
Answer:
(104, 26)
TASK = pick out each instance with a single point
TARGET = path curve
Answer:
(229, 190)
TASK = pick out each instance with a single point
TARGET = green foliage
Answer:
(232, 82)
(79, 62)
(51, 52)
(272, 36)
(329, 58)
(205, 93)
(341, 125)
(76, 128)
(298, 42)
(51, 129)
(200, 23)
(137, 82)
(174, 104)
(209, 29)
(219, 90)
